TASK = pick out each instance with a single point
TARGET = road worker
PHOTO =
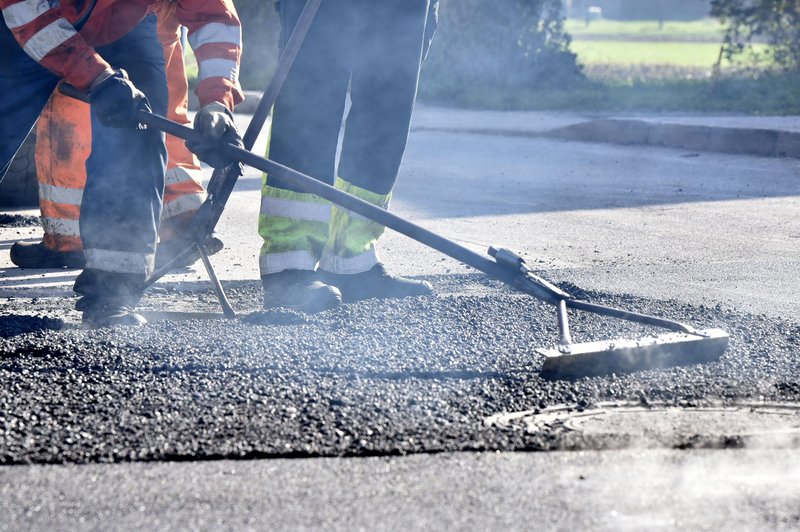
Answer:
(110, 49)
(63, 144)
(315, 255)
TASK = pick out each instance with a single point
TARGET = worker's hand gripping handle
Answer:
(144, 117)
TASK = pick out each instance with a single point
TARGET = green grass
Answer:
(765, 95)
(686, 54)
(699, 30)
(637, 66)
(694, 44)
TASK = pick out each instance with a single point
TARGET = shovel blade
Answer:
(626, 356)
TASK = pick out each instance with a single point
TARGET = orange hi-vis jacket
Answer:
(64, 143)
(46, 30)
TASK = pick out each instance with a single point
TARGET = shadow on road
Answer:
(453, 175)
(16, 325)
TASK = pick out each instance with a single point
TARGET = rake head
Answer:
(625, 355)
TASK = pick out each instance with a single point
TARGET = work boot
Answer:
(110, 314)
(375, 283)
(167, 250)
(299, 290)
(37, 256)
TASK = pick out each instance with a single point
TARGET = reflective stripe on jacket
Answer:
(45, 29)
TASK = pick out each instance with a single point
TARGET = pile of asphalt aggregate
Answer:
(18, 220)
(14, 325)
(375, 377)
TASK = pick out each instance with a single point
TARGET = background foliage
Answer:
(260, 31)
(503, 43)
(511, 43)
(775, 22)
(517, 54)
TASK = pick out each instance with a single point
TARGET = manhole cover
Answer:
(751, 424)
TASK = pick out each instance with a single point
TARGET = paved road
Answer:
(612, 490)
(712, 239)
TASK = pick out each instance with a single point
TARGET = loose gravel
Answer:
(18, 220)
(372, 378)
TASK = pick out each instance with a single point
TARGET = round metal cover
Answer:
(760, 424)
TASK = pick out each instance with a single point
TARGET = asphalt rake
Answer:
(681, 345)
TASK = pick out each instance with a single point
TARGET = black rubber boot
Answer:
(37, 256)
(110, 314)
(299, 290)
(108, 299)
(375, 283)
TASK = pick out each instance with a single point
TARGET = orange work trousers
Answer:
(63, 143)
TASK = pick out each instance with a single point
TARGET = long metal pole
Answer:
(491, 267)
(392, 221)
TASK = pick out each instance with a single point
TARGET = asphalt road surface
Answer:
(709, 239)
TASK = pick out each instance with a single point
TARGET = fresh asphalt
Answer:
(706, 238)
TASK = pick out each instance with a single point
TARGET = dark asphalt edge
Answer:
(243, 457)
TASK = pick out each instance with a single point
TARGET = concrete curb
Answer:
(751, 141)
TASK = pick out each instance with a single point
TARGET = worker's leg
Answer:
(63, 142)
(24, 89)
(63, 145)
(305, 129)
(183, 188)
(124, 187)
(383, 89)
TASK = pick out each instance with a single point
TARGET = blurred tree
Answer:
(776, 22)
(260, 32)
(503, 43)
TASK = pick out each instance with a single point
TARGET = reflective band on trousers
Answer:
(63, 195)
(351, 241)
(181, 205)
(179, 174)
(358, 264)
(356, 216)
(289, 260)
(297, 210)
(120, 261)
(62, 227)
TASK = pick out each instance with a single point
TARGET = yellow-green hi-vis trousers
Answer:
(377, 60)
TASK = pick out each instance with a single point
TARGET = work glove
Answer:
(116, 101)
(215, 123)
